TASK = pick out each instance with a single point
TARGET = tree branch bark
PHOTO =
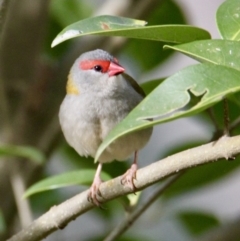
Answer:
(59, 216)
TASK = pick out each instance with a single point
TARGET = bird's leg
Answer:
(130, 175)
(94, 189)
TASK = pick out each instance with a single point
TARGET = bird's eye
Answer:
(98, 68)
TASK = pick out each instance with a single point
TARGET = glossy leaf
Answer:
(198, 222)
(83, 177)
(222, 52)
(28, 152)
(228, 20)
(131, 28)
(96, 25)
(208, 83)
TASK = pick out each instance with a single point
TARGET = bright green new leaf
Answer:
(209, 83)
(131, 28)
(228, 19)
(222, 52)
(28, 152)
(82, 177)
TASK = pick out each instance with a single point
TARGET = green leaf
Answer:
(131, 28)
(96, 25)
(222, 52)
(228, 20)
(82, 177)
(198, 222)
(28, 152)
(209, 83)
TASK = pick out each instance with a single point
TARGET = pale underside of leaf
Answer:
(130, 28)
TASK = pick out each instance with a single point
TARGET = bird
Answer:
(99, 95)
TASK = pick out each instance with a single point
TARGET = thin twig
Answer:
(18, 187)
(126, 224)
(226, 117)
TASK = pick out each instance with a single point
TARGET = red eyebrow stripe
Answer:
(89, 64)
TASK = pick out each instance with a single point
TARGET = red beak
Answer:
(115, 69)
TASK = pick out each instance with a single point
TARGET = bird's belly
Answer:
(80, 129)
(85, 131)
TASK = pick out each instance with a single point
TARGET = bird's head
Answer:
(94, 71)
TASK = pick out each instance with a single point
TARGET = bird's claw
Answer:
(129, 177)
(94, 193)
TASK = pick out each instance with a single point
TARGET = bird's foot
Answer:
(94, 193)
(129, 177)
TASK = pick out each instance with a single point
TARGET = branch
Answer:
(59, 216)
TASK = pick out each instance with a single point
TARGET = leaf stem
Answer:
(226, 117)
